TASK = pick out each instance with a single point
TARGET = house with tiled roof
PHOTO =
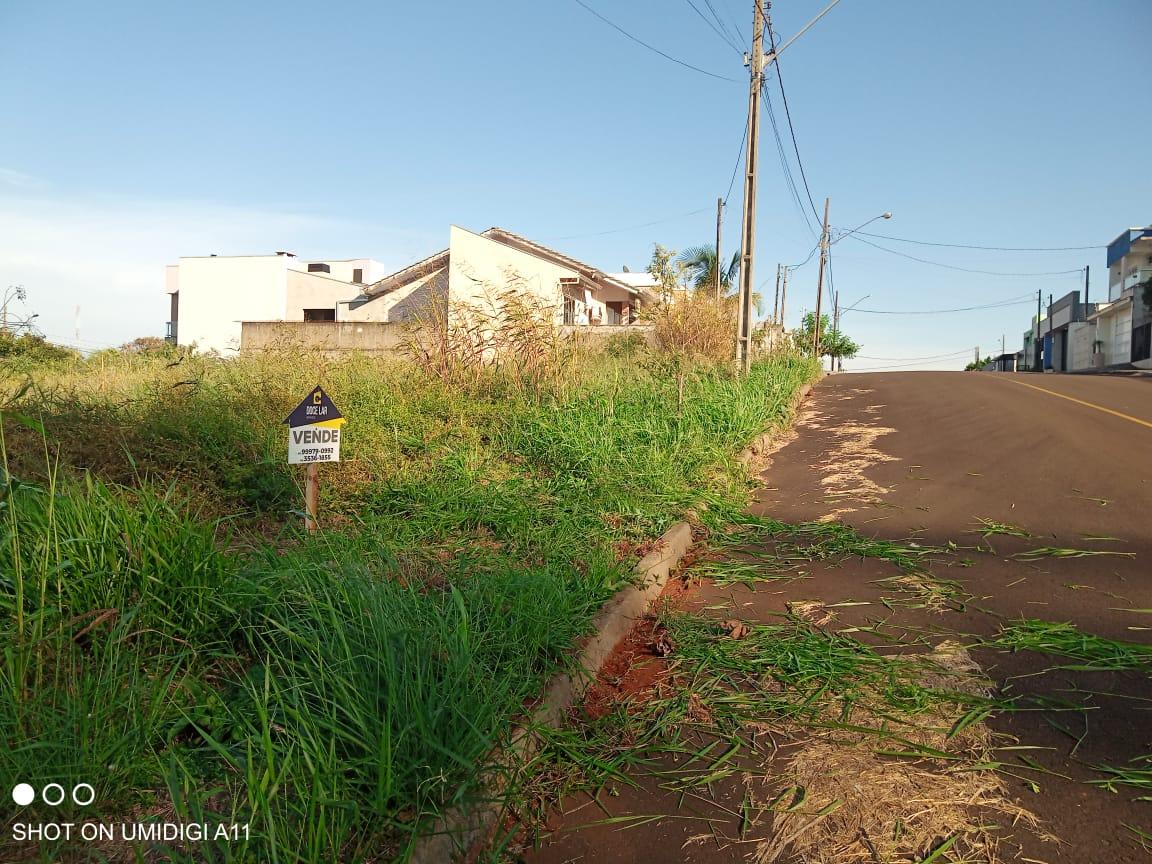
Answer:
(477, 267)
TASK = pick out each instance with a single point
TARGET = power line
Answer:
(739, 159)
(897, 366)
(955, 267)
(652, 48)
(724, 36)
(733, 29)
(788, 114)
(962, 351)
(785, 165)
(985, 248)
(1000, 305)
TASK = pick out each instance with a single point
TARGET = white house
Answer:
(477, 267)
(1127, 322)
(212, 295)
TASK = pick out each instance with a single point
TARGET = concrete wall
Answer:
(315, 291)
(217, 293)
(326, 336)
(343, 270)
(1081, 335)
(1114, 328)
(605, 332)
(403, 304)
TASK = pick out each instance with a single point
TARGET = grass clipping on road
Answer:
(845, 754)
(890, 760)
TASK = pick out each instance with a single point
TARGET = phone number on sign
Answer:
(316, 454)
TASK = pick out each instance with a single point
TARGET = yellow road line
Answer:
(1082, 402)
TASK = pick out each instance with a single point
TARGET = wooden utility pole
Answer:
(820, 282)
(748, 223)
(776, 302)
(719, 264)
(1087, 268)
(311, 496)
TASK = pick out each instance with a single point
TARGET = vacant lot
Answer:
(173, 639)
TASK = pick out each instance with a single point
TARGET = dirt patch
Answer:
(636, 664)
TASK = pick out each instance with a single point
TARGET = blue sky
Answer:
(136, 132)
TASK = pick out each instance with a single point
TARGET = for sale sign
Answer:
(314, 430)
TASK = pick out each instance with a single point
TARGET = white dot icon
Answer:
(23, 794)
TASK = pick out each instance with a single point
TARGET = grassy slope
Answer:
(334, 692)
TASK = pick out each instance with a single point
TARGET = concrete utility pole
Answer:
(834, 362)
(977, 356)
(719, 265)
(748, 223)
(1051, 337)
(820, 282)
(776, 302)
(783, 295)
(1038, 348)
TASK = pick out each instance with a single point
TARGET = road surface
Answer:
(928, 455)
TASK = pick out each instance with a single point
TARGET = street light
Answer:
(828, 242)
(884, 215)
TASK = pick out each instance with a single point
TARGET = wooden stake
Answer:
(311, 496)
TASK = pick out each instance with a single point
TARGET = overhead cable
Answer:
(653, 48)
(859, 239)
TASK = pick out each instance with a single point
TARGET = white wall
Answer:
(1081, 335)
(479, 267)
(343, 270)
(1115, 330)
(315, 291)
(402, 304)
(217, 293)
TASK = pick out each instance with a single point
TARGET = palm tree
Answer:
(700, 263)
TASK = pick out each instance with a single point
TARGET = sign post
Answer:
(313, 437)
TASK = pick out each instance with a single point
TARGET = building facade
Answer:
(476, 269)
(211, 295)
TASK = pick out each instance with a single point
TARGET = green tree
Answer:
(31, 346)
(833, 343)
(699, 265)
(147, 345)
(667, 270)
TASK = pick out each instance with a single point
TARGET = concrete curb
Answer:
(460, 833)
(763, 444)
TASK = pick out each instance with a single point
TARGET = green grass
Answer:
(172, 638)
(1091, 652)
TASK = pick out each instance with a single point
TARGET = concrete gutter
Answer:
(460, 834)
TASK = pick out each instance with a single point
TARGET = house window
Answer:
(319, 267)
(358, 275)
(615, 310)
(319, 314)
(569, 310)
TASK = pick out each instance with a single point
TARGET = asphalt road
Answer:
(925, 456)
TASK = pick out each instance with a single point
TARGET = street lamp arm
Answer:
(772, 56)
(840, 237)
